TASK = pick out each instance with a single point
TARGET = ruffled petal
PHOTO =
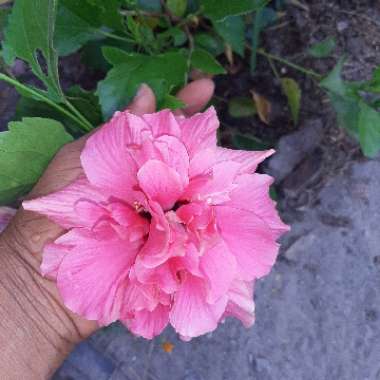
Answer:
(199, 131)
(240, 302)
(206, 159)
(250, 239)
(160, 183)
(106, 159)
(60, 206)
(163, 123)
(156, 249)
(148, 324)
(252, 194)
(93, 276)
(191, 315)
(218, 265)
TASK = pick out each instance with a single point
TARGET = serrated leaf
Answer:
(241, 107)
(132, 69)
(232, 29)
(177, 7)
(25, 151)
(323, 49)
(205, 62)
(29, 35)
(292, 92)
(219, 9)
(369, 130)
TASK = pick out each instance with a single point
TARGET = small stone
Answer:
(342, 26)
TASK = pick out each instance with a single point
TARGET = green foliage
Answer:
(292, 92)
(323, 49)
(361, 119)
(232, 30)
(25, 151)
(29, 36)
(220, 9)
(177, 7)
(205, 62)
(162, 72)
(241, 107)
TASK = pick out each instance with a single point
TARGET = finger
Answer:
(144, 101)
(196, 95)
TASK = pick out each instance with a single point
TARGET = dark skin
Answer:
(37, 331)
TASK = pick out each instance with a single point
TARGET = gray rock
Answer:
(318, 312)
(293, 148)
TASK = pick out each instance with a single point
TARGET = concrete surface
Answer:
(318, 312)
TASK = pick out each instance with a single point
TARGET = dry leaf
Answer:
(167, 347)
(263, 106)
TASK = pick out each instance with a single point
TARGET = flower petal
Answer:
(163, 123)
(61, 205)
(250, 239)
(199, 131)
(219, 267)
(191, 315)
(107, 161)
(148, 324)
(160, 183)
(93, 276)
(252, 194)
(240, 303)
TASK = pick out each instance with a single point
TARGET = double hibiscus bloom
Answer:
(163, 227)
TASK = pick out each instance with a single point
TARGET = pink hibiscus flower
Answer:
(6, 214)
(163, 227)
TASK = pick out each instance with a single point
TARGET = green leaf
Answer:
(97, 12)
(323, 49)
(232, 29)
(29, 36)
(177, 7)
(25, 151)
(171, 102)
(369, 130)
(333, 82)
(79, 23)
(293, 93)
(347, 111)
(241, 107)
(72, 32)
(205, 62)
(220, 9)
(163, 71)
(213, 44)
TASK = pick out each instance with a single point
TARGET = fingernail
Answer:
(141, 91)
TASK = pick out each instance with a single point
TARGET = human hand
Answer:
(22, 243)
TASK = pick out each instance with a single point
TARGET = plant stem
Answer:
(79, 115)
(290, 64)
(42, 98)
(116, 37)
